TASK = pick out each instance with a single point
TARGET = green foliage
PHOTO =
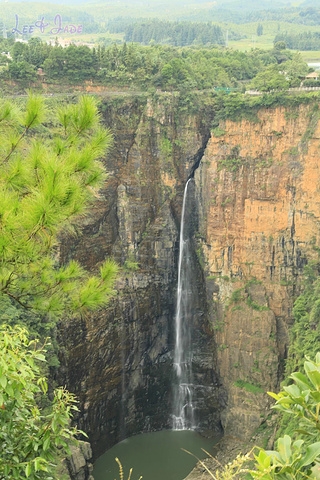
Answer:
(280, 45)
(237, 307)
(296, 68)
(302, 398)
(236, 106)
(233, 161)
(171, 33)
(305, 332)
(45, 183)
(259, 30)
(249, 387)
(237, 295)
(291, 459)
(285, 283)
(142, 67)
(130, 264)
(288, 425)
(256, 306)
(38, 326)
(22, 71)
(218, 132)
(270, 79)
(30, 439)
(166, 148)
(299, 41)
(311, 83)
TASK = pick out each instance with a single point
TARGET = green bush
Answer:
(236, 296)
(292, 459)
(249, 387)
(30, 438)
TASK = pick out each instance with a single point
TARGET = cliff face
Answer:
(255, 227)
(119, 361)
(258, 187)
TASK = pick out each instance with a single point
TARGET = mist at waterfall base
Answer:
(154, 456)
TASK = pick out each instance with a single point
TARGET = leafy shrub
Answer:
(248, 386)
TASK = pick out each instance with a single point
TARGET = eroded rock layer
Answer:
(258, 188)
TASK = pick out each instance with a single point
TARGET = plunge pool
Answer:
(154, 456)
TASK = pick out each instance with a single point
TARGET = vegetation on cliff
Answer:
(293, 458)
(144, 67)
(304, 336)
(305, 332)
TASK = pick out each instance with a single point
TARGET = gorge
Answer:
(254, 199)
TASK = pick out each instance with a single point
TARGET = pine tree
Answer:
(44, 184)
(259, 30)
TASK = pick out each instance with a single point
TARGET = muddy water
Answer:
(154, 456)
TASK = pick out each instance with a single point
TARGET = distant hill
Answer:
(29, 12)
(95, 15)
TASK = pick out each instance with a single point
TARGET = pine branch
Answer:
(13, 148)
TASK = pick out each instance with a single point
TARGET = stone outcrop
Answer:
(78, 465)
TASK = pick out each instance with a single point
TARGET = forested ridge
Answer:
(142, 67)
(170, 33)
(300, 41)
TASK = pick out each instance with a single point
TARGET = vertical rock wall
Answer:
(259, 195)
(119, 361)
(255, 210)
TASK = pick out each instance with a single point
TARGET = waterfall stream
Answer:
(183, 409)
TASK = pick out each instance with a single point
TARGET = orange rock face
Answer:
(258, 188)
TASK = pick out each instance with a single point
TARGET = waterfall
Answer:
(123, 403)
(183, 409)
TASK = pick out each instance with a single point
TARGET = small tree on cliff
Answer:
(46, 181)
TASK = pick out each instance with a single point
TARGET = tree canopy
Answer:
(45, 182)
(134, 65)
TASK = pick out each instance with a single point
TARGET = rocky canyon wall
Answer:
(258, 188)
(119, 361)
(256, 208)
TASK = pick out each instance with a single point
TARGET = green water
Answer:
(155, 456)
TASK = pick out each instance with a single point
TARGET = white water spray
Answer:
(183, 409)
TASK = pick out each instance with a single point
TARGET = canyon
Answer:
(253, 228)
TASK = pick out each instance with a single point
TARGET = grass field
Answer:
(311, 56)
(270, 30)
